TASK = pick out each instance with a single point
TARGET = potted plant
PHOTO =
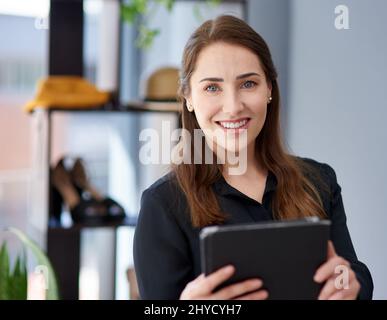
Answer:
(15, 283)
(137, 11)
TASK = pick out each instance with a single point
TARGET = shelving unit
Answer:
(63, 244)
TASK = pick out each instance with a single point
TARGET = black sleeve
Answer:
(162, 259)
(341, 238)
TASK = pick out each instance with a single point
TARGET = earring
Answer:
(189, 107)
(270, 98)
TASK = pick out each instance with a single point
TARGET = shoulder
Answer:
(165, 195)
(164, 187)
(323, 177)
(316, 170)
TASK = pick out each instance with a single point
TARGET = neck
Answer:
(252, 168)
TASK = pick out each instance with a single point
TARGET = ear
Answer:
(188, 103)
(188, 99)
(269, 88)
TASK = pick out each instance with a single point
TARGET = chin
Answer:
(234, 147)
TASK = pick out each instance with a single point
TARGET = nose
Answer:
(232, 104)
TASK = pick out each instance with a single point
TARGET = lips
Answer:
(241, 123)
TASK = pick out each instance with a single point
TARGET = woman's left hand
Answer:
(341, 282)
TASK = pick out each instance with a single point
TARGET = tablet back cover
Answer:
(285, 255)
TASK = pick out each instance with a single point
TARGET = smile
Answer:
(234, 124)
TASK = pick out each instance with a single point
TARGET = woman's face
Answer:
(229, 95)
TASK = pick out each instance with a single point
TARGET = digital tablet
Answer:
(285, 255)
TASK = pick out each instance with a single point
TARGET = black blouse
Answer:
(166, 245)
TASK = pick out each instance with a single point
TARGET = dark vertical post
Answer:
(63, 249)
(66, 37)
(65, 58)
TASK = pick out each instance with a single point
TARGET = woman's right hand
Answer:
(201, 288)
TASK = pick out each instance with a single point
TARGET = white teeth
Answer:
(233, 125)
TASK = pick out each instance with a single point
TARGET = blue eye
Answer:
(211, 88)
(249, 84)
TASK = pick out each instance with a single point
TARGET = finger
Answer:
(328, 289)
(345, 278)
(331, 250)
(238, 289)
(197, 281)
(328, 268)
(209, 283)
(259, 295)
(338, 295)
(201, 276)
(350, 293)
(331, 287)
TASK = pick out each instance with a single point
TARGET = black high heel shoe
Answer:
(71, 187)
(114, 212)
(55, 205)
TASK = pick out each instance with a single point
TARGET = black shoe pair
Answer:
(93, 212)
(88, 210)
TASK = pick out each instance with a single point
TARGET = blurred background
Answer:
(334, 109)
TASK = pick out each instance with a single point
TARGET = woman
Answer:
(230, 93)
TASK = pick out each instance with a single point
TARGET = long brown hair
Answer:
(295, 195)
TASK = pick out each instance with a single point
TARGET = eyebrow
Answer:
(241, 76)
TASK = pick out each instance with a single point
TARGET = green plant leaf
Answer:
(18, 280)
(129, 12)
(214, 2)
(146, 37)
(4, 273)
(168, 4)
(42, 260)
(141, 5)
(135, 8)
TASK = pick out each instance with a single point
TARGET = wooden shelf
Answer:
(132, 107)
(128, 222)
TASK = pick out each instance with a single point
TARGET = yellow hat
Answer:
(67, 92)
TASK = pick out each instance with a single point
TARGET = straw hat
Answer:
(161, 90)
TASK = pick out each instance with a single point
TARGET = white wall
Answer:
(337, 112)
(271, 19)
